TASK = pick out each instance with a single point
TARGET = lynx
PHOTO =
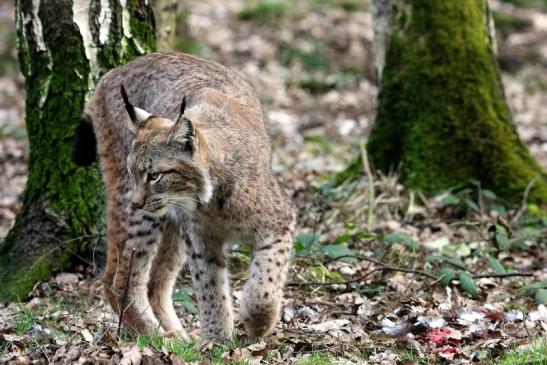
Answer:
(185, 157)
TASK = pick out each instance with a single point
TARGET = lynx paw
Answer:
(259, 318)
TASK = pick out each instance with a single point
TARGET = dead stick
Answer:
(126, 289)
(392, 268)
(502, 275)
(328, 283)
(384, 266)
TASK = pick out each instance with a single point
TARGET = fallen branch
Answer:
(122, 307)
(385, 267)
(370, 185)
(524, 204)
(328, 283)
(502, 275)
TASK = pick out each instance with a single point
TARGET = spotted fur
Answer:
(179, 186)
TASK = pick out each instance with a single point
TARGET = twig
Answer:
(527, 330)
(60, 245)
(481, 199)
(358, 257)
(126, 289)
(385, 267)
(366, 167)
(328, 283)
(525, 198)
(502, 275)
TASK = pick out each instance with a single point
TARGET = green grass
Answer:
(526, 3)
(314, 359)
(318, 85)
(4, 348)
(535, 354)
(188, 351)
(23, 321)
(265, 11)
(310, 61)
(350, 6)
(507, 24)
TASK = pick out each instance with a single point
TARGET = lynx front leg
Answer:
(167, 264)
(132, 246)
(208, 266)
(263, 291)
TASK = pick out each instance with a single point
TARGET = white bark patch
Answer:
(37, 26)
(105, 19)
(37, 33)
(491, 28)
(139, 47)
(80, 14)
(19, 20)
(126, 25)
(382, 16)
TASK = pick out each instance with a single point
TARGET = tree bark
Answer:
(442, 115)
(166, 12)
(64, 47)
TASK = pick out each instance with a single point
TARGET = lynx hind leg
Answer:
(263, 292)
(165, 269)
(208, 266)
(132, 244)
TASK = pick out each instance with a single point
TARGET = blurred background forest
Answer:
(312, 65)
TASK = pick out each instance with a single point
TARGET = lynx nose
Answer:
(137, 205)
(137, 200)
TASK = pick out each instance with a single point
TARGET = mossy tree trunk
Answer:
(64, 47)
(442, 115)
(166, 12)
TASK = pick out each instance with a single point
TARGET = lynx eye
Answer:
(155, 177)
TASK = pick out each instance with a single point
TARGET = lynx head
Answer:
(167, 162)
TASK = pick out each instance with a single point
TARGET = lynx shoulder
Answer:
(185, 157)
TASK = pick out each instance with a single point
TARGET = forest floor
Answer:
(381, 274)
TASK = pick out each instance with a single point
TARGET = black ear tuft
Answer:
(128, 105)
(84, 149)
(183, 105)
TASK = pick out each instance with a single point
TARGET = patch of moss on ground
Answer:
(265, 11)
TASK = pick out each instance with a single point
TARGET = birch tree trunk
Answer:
(442, 115)
(64, 47)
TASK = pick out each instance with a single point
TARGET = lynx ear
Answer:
(183, 130)
(136, 115)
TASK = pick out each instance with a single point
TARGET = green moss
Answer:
(265, 11)
(442, 115)
(21, 279)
